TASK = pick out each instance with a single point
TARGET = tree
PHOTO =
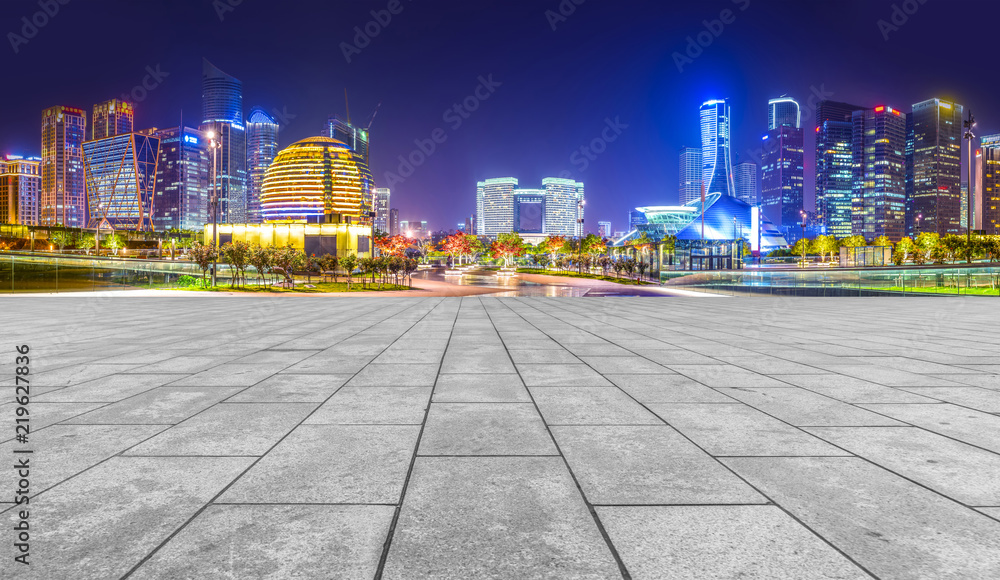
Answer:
(204, 255)
(507, 247)
(393, 245)
(62, 239)
(882, 241)
(801, 247)
(456, 246)
(904, 248)
(87, 242)
(553, 246)
(237, 256)
(925, 243)
(262, 258)
(349, 262)
(114, 241)
(855, 241)
(288, 259)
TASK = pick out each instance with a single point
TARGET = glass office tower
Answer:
(879, 162)
(834, 166)
(222, 115)
(183, 173)
(937, 162)
(690, 170)
(121, 180)
(262, 146)
(63, 199)
(717, 167)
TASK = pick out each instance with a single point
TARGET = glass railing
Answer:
(934, 280)
(39, 272)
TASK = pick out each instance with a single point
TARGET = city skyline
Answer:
(654, 121)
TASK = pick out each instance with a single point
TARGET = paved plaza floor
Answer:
(483, 437)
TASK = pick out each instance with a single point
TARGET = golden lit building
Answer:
(336, 239)
(317, 180)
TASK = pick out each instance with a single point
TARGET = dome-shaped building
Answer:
(314, 178)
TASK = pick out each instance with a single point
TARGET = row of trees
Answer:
(279, 263)
(925, 248)
(69, 239)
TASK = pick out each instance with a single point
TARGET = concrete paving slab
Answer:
(561, 375)
(485, 429)
(726, 376)
(106, 389)
(228, 429)
(888, 525)
(292, 388)
(667, 388)
(395, 375)
(274, 541)
(721, 542)
(968, 425)
(162, 405)
(477, 388)
(740, 430)
(980, 399)
(647, 465)
(853, 390)
(590, 406)
(373, 406)
(801, 407)
(496, 517)
(331, 464)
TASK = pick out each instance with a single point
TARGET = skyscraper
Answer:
(783, 111)
(382, 196)
(495, 206)
(563, 207)
(121, 180)
(262, 146)
(834, 166)
(183, 172)
(937, 175)
(745, 179)
(604, 229)
(879, 160)
(691, 168)
(782, 177)
(112, 118)
(717, 166)
(20, 184)
(222, 119)
(393, 222)
(990, 185)
(637, 218)
(355, 138)
(63, 198)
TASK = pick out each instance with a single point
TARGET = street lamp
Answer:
(214, 201)
(969, 124)
(802, 213)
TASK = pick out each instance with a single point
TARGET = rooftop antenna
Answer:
(347, 105)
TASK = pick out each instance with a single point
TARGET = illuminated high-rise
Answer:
(382, 196)
(354, 137)
(834, 166)
(879, 180)
(112, 118)
(183, 172)
(783, 111)
(563, 206)
(121, 180)
(689, 174)
(262, 146)
(783, 166)
(604, 229)
(63, 198)
(937, 176)
(393, 222)
(495, 206)
(20, 184)
(222, 120)
(503, 208)
(717, 166)
(745, 180)
(990, 185)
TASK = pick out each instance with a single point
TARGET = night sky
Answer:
(606, 60)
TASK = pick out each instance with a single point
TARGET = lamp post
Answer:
(802, 214)
(214, 201)
(969, 124)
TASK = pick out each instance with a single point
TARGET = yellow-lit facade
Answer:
(314, 178)
(318, 239)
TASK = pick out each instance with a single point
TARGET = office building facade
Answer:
(937, 162)
(382, 197)
(783, 111)
(20, 186)
(783, 177)
(690, 173)
(497, 210)
(63, 198)
(354, 137)
(879, 181)
(990, 185)
(564, 205)
(529, 211)
(121, 181)
(393, 222)
(222, 119)
(495, 206)
(183, 174)
(604, 229)
(717, 166)
(745, 180)
(834, 166)
(262, 146)
(112, 118)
